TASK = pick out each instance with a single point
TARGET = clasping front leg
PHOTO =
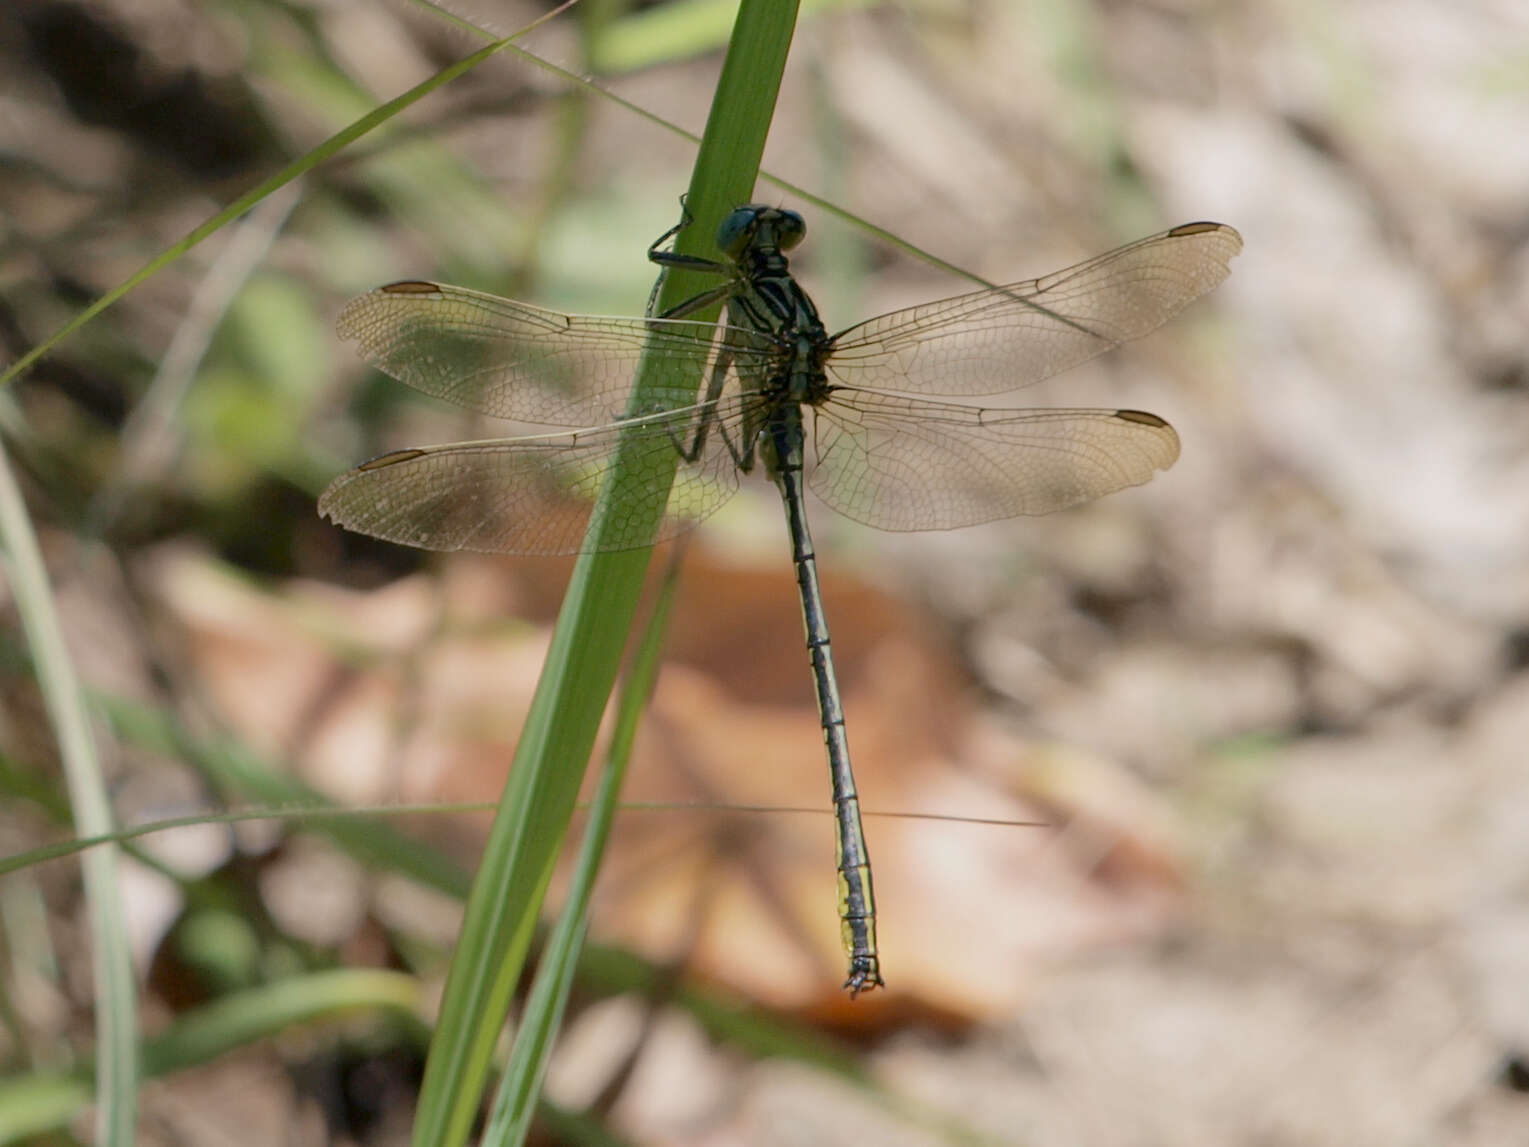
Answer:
(697, 263)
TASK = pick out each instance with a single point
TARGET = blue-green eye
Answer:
(790, 229)
(737, 229)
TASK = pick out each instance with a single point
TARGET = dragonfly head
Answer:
(759, 227)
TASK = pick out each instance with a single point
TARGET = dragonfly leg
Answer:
(686, 219)
(742, 456)
(690, 262)
(694, 302)
(667, 259)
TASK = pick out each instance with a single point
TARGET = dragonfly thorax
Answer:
(773, 308)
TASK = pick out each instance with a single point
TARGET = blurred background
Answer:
(1266, 716)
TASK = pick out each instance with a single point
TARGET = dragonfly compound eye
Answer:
(737, 230)
(790, 229)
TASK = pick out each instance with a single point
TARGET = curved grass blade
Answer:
(298, 167)
(115, 985)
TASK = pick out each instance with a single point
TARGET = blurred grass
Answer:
(43, 1102)
(116, 988)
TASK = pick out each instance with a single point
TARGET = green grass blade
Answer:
(116, 1001)
(521, 1083)
(586, 645)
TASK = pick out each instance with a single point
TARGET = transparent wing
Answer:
(902, 463)
(1001, 339)
(535, 495)
(519, 362)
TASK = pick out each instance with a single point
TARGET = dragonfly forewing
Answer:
(536, 495)
(997, 340)
(518, 362)
(900, 463)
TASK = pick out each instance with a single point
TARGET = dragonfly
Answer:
(862, 418)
